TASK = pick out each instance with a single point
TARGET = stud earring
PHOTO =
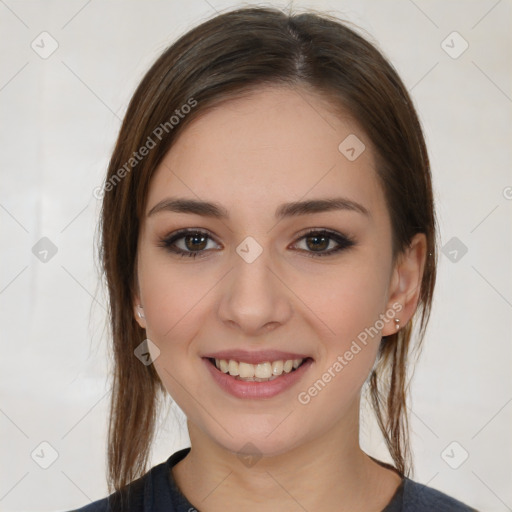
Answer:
(397, 324)
(140, 313)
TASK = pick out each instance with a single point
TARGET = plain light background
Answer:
(59, 119)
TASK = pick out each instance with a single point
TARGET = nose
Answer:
(253, 298)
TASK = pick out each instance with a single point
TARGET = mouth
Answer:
(265, 371)
(256, 376)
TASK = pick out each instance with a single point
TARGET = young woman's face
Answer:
(269, 274)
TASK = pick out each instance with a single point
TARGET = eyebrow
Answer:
(215, 210)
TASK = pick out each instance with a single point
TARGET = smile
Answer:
(261, 372)
(256, 376)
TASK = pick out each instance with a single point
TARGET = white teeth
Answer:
(233, 367)
(263, 370)
(277, 367)
(246, 370)
(259, 372)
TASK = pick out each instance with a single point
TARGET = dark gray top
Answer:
(157, 491)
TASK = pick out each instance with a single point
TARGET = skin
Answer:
(251, 155)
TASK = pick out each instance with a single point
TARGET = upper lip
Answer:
(254, 357)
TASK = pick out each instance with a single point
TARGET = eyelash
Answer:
(343, 241)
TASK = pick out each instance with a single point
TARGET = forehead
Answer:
(275, 145)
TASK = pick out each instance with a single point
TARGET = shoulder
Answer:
(153, 491)
(420, 498)
(96, 506)
(129, 498)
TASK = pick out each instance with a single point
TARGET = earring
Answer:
(140, 313)
(397, 324)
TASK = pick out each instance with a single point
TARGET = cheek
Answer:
(174, 302)
(345, 302)
(177, 299)
(349, 305)
(173, 296)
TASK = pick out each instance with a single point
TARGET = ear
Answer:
(138, 311)
(405, 283)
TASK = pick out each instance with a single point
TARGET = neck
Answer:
(327, 473)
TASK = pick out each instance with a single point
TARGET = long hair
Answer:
(220, 59)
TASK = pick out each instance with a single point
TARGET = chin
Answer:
(259, 439)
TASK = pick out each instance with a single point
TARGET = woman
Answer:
(269, 241)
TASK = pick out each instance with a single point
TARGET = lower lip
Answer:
(254, 390)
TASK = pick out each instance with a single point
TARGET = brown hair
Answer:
(226, 56)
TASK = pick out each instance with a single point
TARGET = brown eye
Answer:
(317, 243)
(324, 243)
(196, 242)
(188, 242)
